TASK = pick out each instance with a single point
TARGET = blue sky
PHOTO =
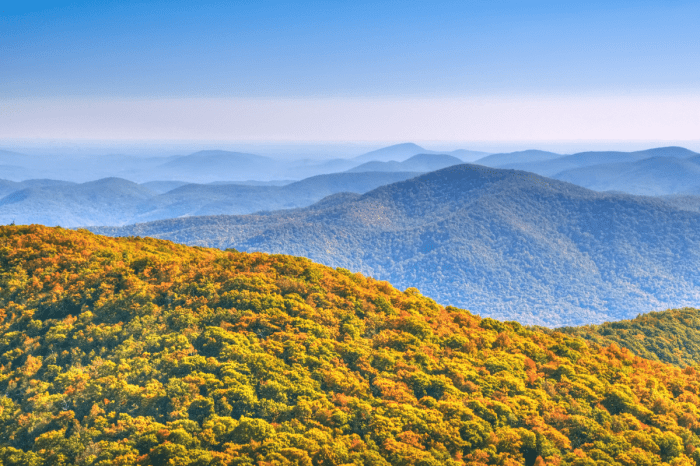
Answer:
(468, 51)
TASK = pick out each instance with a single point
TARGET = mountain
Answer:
(654, 176)
(468, 155)
(162, 187)
(8, 187)
(502, 243)
(525, 156)
(213, 199)
(306, 168)
(115, 201)
(215, 165)
(671, 336)
(586, 159)
(689, 202)
(139, 351)
(107, 201)
(417, 163)
(397, 152)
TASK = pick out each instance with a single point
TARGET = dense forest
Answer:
(141, 351)
(671, 336)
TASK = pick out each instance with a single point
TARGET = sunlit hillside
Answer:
(141, 351)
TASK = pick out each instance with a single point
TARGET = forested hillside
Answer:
(140, 351)
(503, 243)
(671, 336)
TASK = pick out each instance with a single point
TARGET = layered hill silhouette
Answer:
(201, 167)
(397, 152)
(551, 166)
(110, 201)
(654, 176)
(502, 243)
(417, 163)
(141, 351)
(197, 199)
(661, 171)
(115, 201)
(525, 156)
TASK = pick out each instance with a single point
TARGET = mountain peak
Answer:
(396, 152)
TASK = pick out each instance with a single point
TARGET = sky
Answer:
(457, 72)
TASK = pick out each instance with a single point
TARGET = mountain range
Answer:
(653, 172)
(654, 176)
(502, 243)
(417, 163)
(199, 167)
(115, 201)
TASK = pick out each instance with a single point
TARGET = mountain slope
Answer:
(214, 165)
(115, 201)
(585, 159)
(417, 163)
(212, 199)
(525, 156)
(671, 336)
(499, 242)
(107, 201)
(655, 176)
(468, 156)
(138, 351)
(397, 152)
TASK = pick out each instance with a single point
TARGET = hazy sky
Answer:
(342, 71)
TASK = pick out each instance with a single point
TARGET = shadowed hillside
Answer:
(140, 351)
(499, 242)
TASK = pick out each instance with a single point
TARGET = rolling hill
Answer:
(671, 336)
(115, 201)
(418, 163)
(397, 152)
(654, 176)
(109, 201)
(525, 156)
(502, 243)
(587, 159)
(213, 165)
(213, 199)
(140, 351)
(466, 155)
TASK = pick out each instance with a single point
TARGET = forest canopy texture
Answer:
(140, 351)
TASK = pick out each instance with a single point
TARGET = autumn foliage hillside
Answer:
(141, 351)
(671, 336)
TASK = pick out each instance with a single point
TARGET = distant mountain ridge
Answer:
(397, 152)
(499, 242)
(417, 163)
(204, 166)
(525, 156)
(115, 201)
(549, 165)
(653, 176)
(653, 172)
